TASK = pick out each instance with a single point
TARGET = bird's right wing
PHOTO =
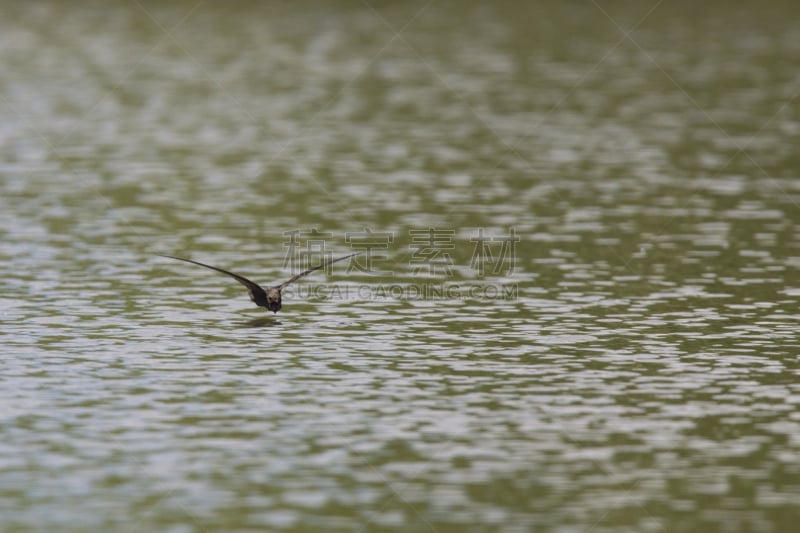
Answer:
(255, 290)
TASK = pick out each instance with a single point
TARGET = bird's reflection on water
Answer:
(262, 322)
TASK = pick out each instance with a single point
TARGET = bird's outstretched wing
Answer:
(310, 270)
(255, 290)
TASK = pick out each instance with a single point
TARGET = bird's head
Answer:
(274, 299)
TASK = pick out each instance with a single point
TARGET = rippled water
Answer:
(631, 366)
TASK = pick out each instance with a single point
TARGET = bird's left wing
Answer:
(310, 270)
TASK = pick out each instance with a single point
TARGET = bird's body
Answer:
(269, 297)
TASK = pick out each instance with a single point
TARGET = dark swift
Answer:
(269, 297)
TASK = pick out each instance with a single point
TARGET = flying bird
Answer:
(269, 297)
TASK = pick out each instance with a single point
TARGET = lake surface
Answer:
(577, 303)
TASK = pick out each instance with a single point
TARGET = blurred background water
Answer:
(631, 364)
